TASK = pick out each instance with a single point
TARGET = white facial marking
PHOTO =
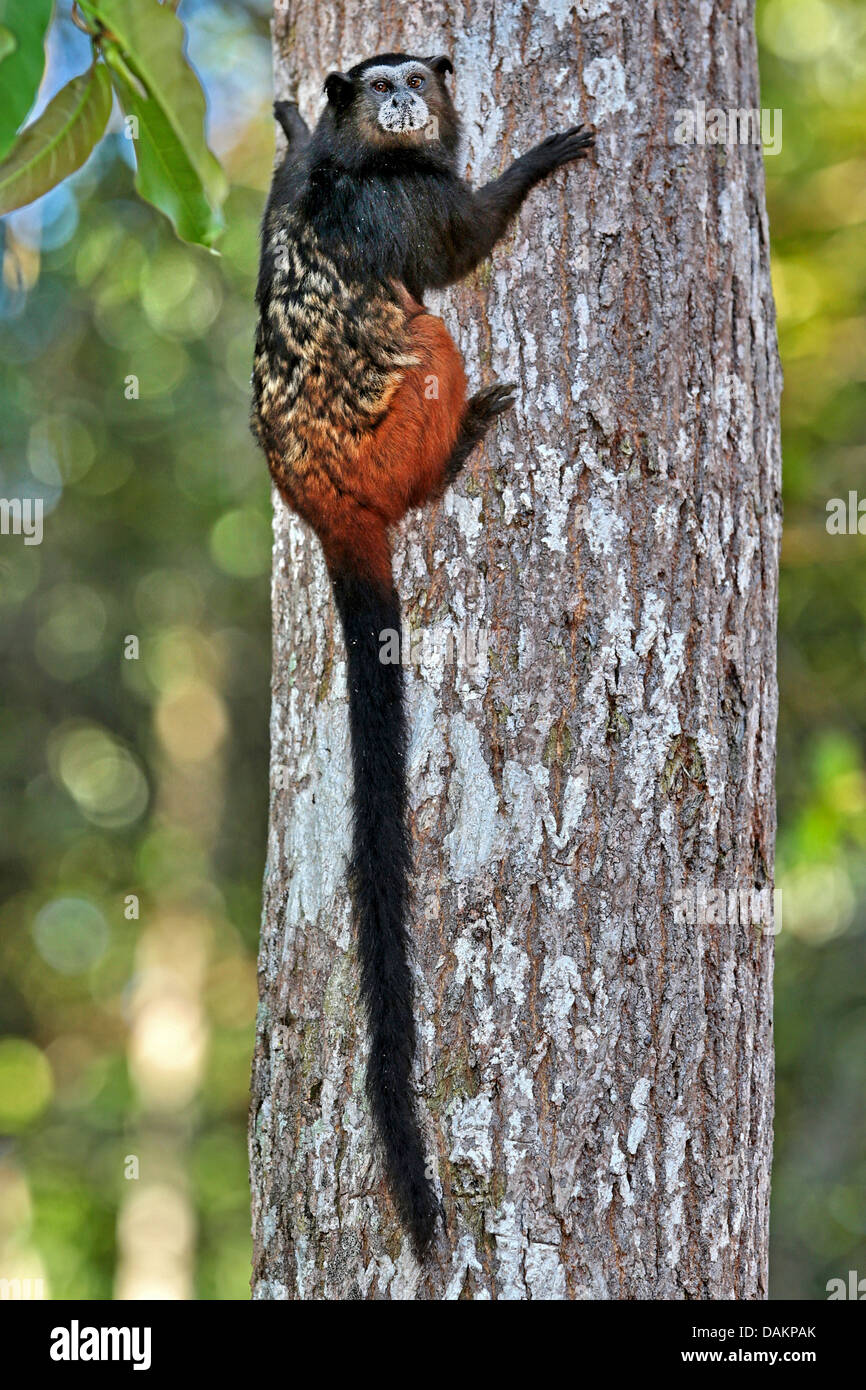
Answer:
(403, 110)
(404, 113)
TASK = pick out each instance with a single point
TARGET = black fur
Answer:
(381, 864)
(399, 211)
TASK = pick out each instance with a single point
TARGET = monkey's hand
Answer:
(557, 150)
(293, 124)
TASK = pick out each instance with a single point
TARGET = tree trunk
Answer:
(595, 1056)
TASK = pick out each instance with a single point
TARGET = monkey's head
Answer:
(394, 100)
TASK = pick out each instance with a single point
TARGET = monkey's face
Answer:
(395, 99)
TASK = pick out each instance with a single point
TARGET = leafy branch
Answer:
(138, 55)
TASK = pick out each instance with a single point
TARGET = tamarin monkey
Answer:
(359, 402)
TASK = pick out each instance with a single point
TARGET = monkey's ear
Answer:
(339, 89)
(442, 64)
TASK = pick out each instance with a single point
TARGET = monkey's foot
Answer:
(485, 405)
(481, 410)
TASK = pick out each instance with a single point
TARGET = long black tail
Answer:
(380, 871)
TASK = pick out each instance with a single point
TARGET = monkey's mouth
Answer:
(404, 116)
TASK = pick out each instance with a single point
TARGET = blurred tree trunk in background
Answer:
(595, 1075)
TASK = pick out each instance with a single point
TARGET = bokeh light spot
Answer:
(26, 1083)
(71, 934)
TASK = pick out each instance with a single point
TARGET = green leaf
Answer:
(59, 141)
(25, 23)
(151, 39)
(165, 176)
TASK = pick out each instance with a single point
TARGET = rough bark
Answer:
(595, 1076)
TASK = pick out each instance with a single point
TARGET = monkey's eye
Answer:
(381, 85)
(416, 80)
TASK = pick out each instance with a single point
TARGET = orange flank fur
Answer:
(352, 484)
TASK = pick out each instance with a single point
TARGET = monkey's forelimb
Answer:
(494, 205)
(293, 126)
(498, 201)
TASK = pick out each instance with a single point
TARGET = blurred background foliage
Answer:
(136, 649)
(133, 735)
